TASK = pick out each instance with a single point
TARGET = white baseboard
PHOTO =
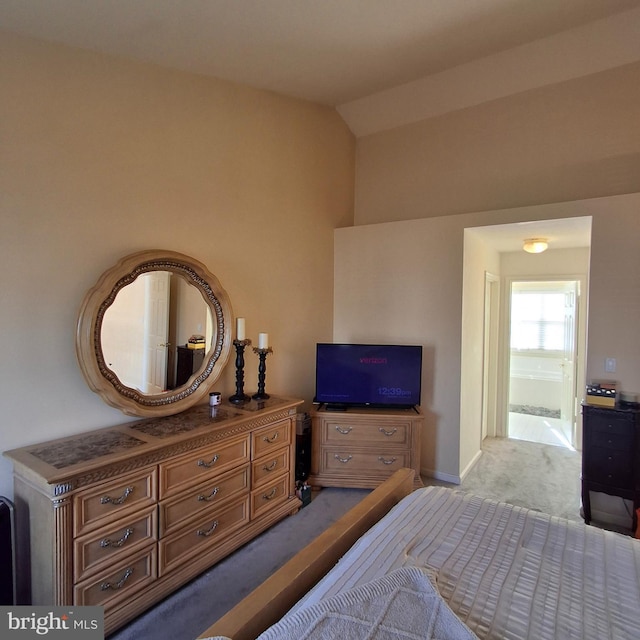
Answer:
(447, 477)
(467, 469)
(438, 475)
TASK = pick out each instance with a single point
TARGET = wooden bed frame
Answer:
(266, 604)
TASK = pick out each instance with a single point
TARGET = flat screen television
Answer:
(377, 375)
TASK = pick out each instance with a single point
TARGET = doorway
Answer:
(156, 331)
(542, 341)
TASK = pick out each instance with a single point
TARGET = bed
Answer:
(441, 563)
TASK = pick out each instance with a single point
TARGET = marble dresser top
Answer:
(56, 458)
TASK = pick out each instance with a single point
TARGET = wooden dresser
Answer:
(611, 455)
(123, 516)
(362, 447)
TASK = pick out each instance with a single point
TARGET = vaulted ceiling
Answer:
(381, 63)
(328, 51)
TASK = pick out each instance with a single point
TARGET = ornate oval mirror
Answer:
(154, 333)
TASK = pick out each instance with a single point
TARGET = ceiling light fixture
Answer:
(535, 245)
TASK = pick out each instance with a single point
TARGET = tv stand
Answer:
(363, 446)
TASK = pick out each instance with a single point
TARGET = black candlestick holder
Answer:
(262, 371)
(240, 396)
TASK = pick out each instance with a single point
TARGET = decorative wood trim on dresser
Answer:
(362, 447)
(123, 516)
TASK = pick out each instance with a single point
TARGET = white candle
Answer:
(263, 341)
(240, 329)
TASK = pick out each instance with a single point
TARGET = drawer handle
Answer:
(109, 500)
(105, 586)
(387, 461)
(345, 431)
(271, 466)
(343, 460)
(271, 495)
(211, 496)
(202, 463)
(271, 439)
(105, 542)
(209, 531)
(387, 433)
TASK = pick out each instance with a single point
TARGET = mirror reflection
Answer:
(148, 332)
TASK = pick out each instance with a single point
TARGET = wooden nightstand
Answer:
(362, 447)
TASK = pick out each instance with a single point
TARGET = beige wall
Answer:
(555, 151)
(401, 282)
(572, 140)
(404, 281)
(100, 158)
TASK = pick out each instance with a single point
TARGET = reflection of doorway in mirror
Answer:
(134, 333)
(122, 334)
(156, 331)
(148, 320)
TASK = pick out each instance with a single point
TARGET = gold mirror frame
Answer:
(104, 381)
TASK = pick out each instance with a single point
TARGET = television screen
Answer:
(366, 374)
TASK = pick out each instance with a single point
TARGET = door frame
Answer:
(490, 359)
(156, 331)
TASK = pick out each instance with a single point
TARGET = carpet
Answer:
(528, 474)
(187, 612)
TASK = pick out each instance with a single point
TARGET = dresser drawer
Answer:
(119, 582)
(613, 424)
(379, 463)
(202, 499)
(96, 506)
(609, 466)
(270, 438)
(372, 433)
(267, 468)
(207, 462)
(200, 536)
(610, 440)
(269, 496)
(95, 550)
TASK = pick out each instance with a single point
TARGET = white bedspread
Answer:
(507, 572)
(402, 605)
